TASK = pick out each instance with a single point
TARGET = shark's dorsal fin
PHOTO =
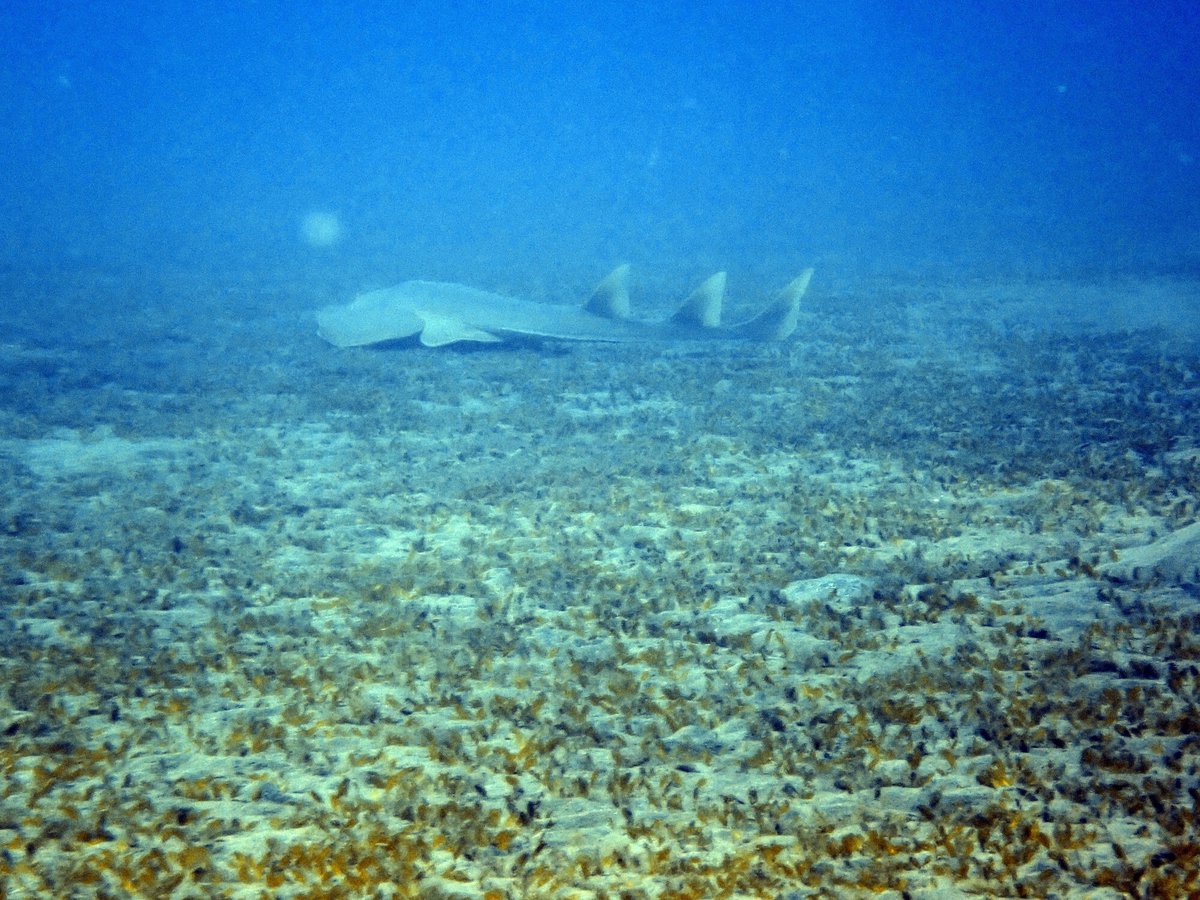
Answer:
(778, 320)
(611, 297)
(703, 307)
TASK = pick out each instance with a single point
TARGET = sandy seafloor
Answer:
(905, 607)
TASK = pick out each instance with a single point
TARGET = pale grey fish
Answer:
(441, 313)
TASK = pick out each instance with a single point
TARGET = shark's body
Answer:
(440, 313)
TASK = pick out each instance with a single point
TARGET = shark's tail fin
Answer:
(778, 321)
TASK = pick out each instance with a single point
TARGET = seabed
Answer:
(905, 607)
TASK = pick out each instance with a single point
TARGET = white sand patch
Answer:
(69, 453)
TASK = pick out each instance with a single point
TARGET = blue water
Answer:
(861, 137)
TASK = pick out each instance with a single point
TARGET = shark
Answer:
(437, 314)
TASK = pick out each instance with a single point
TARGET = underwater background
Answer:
(866, 137)
(907, 605)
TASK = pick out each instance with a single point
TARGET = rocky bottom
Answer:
(907, 607)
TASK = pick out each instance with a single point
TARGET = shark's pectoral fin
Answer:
(778, 320)
(437, 331)
(703, 307)
(372, 318)
(610, 300)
